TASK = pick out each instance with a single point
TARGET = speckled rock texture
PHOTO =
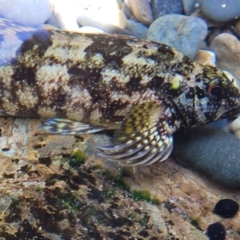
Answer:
(177, 30)
(220, 10)
(50, 192)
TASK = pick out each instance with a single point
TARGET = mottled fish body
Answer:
(89, 82)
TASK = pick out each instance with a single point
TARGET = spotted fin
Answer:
(144, 136)
(68, 127)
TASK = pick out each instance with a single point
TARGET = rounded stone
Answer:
(216, 231)
(142, 11)
(104, 12)
(219, 158)
(138, 29)
(106, 27)
(220, 10)
(164, 7)
(181, 32)
(227, 49)
(189, 6)
(206, 58)
(114, 17)
(64, 15)
(88, 29)
(226, 208)
(27, 12)
(235, 125)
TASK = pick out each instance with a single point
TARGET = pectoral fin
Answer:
(68, 127)
(145, 136)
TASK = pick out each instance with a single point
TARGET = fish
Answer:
(84, 83)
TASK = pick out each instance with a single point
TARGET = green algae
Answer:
(195, 222)
(118, 182)
(77, 158)
(143, 195)
(68, 200)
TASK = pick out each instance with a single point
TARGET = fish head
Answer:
(216, 96)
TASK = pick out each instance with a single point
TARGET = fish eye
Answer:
(215, 92)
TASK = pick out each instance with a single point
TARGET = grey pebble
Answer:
(138, 29)
(164, 7)
(184, 33)
(220, 10)
(189, 6)
(212, 152)
(126, 10)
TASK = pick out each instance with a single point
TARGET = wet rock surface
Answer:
(56, 187)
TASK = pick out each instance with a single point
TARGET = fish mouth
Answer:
(231, 114)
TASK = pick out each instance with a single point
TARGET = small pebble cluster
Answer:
(225, 208)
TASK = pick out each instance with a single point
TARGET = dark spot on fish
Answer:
(155, 83)
(61, 97)
(210, 116)
(182, 68)
(187, 61)
(190, 93)
(112, 53)
(134, 83)
(164, 49)
(37, 42)
(200, 93)
(112, 107)
(27, 75)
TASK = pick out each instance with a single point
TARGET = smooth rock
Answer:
(206, 58)
(126, 10)
(64, 15)
(114, 17)
(106, 27)
(237, 25)
(227, 49)
(27, 12)
(220, 10)
(104, 11)
(164, 7)
(210, 151)
(138, 29)
(142, 11)
(189, 6)
(234, 127)
(88, 29)
(181, 32)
